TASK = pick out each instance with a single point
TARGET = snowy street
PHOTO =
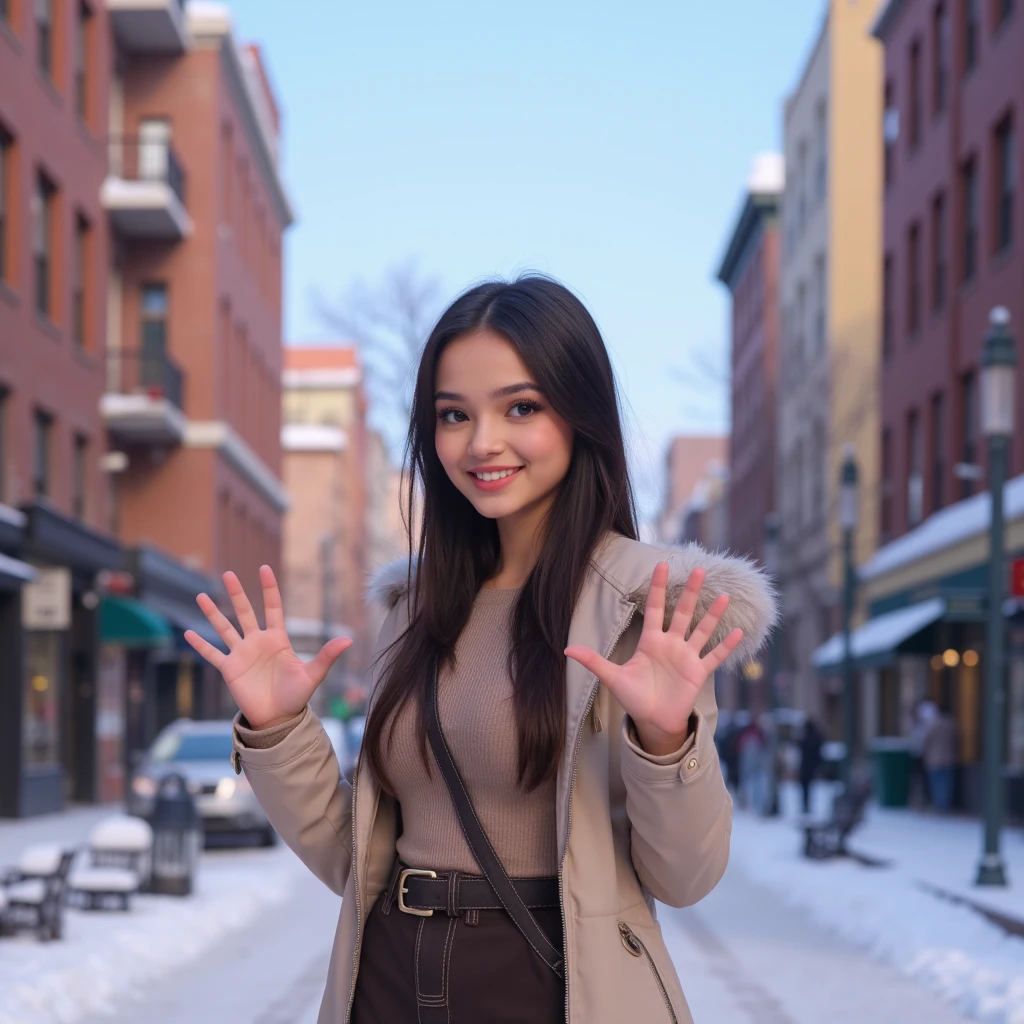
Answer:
(780, 941)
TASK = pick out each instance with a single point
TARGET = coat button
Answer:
(691, 765)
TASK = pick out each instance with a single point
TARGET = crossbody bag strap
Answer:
(490, 864)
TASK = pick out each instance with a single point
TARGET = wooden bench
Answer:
(825, 839)
(119, 860)
(33, 892)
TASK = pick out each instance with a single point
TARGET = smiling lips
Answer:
(493, 478)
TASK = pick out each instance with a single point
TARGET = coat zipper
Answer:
(568, 813)
(632, 941)
(355, 890)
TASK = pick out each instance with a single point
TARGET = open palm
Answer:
(659, 685)
(268, 680)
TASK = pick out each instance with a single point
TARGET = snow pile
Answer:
(107, 955)
(949, 948)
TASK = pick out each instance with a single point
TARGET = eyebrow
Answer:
(509, 389)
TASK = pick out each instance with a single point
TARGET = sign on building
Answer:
(46, 601)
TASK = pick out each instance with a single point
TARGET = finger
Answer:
(272, 607)
(682, 618)
(318, 668)
(707, 625)
(240, 602)
(654, 609)
(219, 621)
(591, 661)
(714, 658)
(214, 656)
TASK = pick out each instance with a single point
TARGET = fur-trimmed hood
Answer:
(753, 605)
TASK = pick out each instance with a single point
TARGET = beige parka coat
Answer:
(630, 830)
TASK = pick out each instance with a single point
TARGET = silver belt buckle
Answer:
(403, 892)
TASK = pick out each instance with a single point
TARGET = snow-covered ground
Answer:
(107, 956)
(947, 948)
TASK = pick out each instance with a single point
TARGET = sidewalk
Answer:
(70, 827)
(949, 948)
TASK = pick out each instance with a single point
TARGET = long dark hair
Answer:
(459, 549)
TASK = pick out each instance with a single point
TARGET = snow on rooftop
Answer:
(944, 528)
(880, 634)
(767, 173)
(313, 437)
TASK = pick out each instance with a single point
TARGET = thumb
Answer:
(321, 664)
(590, 660)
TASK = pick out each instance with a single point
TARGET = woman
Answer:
(572, 690)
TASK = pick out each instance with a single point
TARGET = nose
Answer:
(486, 440)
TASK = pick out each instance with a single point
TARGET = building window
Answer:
(80, 270)
(4, 406)
(1004, 8)
(79, 474)
(969, 412)
(1006, 182)
(83, 48)
(969, 199)
(821, 167)
(44, 36)
(890, 131)
(938, 450)
(818, 472)
(885, 485)
(887, 299)
(914, 278)
(43, 203)
(6, 203)
(41, 468)
(5, 11)
(801, 323)
(820, 293)
(915, 94)
(939, 251)
(915, 475)
(154, 315)
(940, 58)
(972, 33)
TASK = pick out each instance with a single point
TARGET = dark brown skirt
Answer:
(449, 970)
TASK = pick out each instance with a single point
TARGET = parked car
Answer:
(335, 729)
(201, 752)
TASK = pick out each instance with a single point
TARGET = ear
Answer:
(753, 602)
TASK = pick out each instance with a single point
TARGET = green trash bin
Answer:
(892, 770)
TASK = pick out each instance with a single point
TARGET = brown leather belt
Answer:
(421, 891)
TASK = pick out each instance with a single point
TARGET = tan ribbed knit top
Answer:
(478, 718)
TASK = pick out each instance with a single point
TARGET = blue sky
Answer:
(604, 143)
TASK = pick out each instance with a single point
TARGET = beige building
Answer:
(686, 463)
(830, 302)
(324, 444)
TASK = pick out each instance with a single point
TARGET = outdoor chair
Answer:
(825, 839)
(32, 894)
(119, 858)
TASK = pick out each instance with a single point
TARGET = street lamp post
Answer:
(998, 372)
(848, 517)
(772, 560)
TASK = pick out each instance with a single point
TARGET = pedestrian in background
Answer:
(939, 756)
(924, 713)
(498, 735)
(811, 741)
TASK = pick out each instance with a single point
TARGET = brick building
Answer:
(750, 270)
(141, 213)
(687, 463)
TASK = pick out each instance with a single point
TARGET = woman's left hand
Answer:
(658, 686)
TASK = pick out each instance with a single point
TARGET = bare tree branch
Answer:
(389, 322)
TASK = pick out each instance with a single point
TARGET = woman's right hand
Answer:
(268, 680)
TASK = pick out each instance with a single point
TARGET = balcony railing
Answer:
(152, 373)
(133, 158)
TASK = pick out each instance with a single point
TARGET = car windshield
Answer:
(197, 746)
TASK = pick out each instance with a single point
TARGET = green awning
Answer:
(130, 623)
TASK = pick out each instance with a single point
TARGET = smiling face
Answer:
(498, 438)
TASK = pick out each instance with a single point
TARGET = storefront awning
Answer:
(879, 639)
(182, 617)
(13, 574)
(130, 623)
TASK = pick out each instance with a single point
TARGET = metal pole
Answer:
(991, 870)
(849, 711)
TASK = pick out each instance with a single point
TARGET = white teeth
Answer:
(494, 476)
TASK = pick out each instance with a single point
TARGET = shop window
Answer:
(41, 722)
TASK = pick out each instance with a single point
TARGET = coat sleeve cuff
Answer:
(686, 763)
(276, 746)
(261, 739)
